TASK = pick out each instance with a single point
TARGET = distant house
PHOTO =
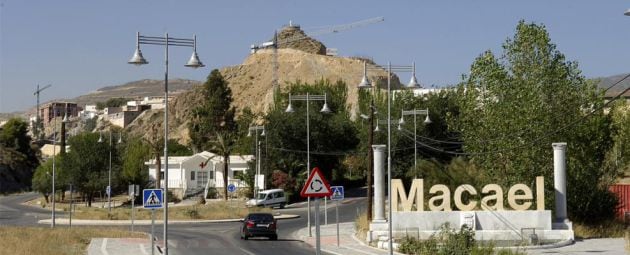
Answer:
(57, 109)
(197, 173)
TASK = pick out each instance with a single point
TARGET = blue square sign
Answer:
(152, 198)
(337, 193)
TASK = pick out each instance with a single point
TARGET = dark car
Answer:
(259, 224)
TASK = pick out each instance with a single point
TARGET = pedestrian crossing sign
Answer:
(152, 198)
(337, 193)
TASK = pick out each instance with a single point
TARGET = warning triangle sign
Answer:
(316, 185)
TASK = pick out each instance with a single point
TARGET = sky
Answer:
(81, 46)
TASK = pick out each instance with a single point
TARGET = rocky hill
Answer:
(141, 88)
(251, 81)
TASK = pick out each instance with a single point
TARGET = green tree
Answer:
(42, 179)
(332, 135)
(513, 107)
(134, 171)
(14, 134)
(87, 164)
(213, 126)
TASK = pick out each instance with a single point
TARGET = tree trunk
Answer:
(158, 170)
(226, 160)
(89, 199)
(46, 197)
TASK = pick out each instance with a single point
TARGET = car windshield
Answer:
(261, 217)
(262, 196)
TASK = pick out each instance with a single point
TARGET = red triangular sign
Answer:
(316, 185)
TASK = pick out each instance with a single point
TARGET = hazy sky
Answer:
(80, 46)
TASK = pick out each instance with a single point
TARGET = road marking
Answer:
(246, 251)
(144, 251)
(104, 247)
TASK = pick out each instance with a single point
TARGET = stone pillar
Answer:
(560, 180)
(379, 183)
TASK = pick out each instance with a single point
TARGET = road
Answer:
(214, 238)
(12, 212)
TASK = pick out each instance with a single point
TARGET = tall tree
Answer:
(86, 166)
(134, 171)
(213, 126)
(514, 106)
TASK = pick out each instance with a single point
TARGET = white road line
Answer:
(104, 247)
(357, 250)
(143, 250)
(246, 251)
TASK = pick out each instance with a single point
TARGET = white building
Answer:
(197, 173)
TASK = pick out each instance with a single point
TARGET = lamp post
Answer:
(52, 223)
(308, 98)
(109, 183)
(401, 122)
(257, 151)
(365, 83)
(193, 62)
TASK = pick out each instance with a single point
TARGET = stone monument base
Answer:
(528, 227)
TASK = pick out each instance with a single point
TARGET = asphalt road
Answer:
(209, 238)
(13, 213)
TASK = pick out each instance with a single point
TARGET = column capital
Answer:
(559, 146)
(379, 147)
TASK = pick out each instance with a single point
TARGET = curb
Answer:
(65, 221)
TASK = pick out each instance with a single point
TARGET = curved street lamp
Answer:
(193, 62)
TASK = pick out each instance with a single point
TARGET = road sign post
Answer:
(316, 186)
(153, 199)
(337, 195)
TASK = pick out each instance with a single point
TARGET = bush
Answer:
(212, 193)
(193, 213)
(447, 242)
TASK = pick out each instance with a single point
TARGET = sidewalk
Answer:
(348, 244)
(120, 246)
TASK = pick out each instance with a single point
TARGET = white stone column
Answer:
(560, 180)
(379, 183)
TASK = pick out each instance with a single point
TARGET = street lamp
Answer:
(401, 122)
(308, 98)
(109, 183)
(52, 224)
(249, 134)
(365, 83)
(193, 62)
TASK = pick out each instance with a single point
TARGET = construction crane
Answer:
(37, 121)
(275, 43)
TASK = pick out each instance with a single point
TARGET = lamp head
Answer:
(627, 13)
(262, 133)
(249, 133)
(413, 83)
(401, 121)
(399, 127)
(120, 138)
(289, 108)
(137, 58)
(325, 108)
(376, 129)
(194, 61)
(100, 137)
(427, 120)
(365, 82)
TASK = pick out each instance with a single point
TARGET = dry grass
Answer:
(610, 229)
(210, 211)
(36, 240)
(362, 225)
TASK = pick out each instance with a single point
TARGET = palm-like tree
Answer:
(223, 144)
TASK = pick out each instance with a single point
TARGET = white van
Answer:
(270, 198)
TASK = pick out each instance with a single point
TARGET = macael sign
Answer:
(519, 197)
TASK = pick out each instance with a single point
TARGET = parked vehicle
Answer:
(259, 224)
(270, 198)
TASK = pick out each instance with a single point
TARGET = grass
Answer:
(41, 240)
(362, 225)
(210, 211)
(215, 210)
(609, 229)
